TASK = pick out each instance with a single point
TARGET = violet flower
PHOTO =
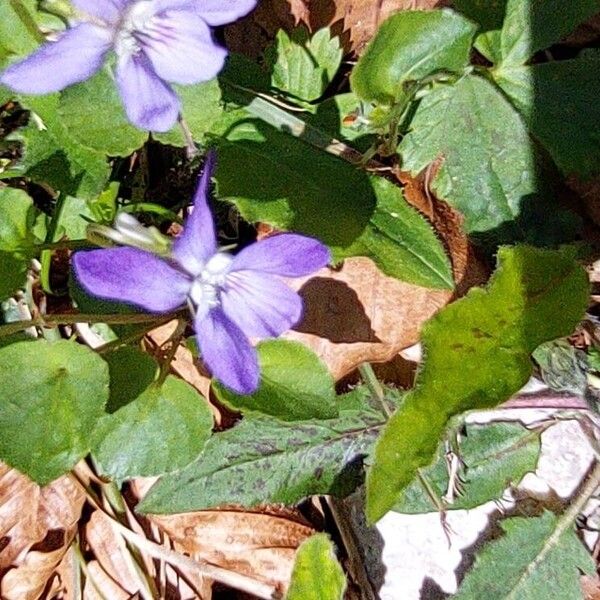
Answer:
(156, 42)
(233, 297)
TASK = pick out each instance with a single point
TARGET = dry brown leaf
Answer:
(590, 587)
(261, 546)
(99, 579)
(31, 515)
(29, 580)
(355, 21)
(111, 552)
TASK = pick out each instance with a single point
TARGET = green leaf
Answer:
(493, 457)
(131, 372)
(263, 459)
(536, 558)
(558, 101)
(488, 15)
(277, 179)
(402, 242)
(303, 65)
(18, 31)
(52, 157)
(201, 107)
(294, 384)
(164, 429)
(531, 25)
(562, 367)
(17, 218)
(94, 115)
(409, 46)
(489, 172)
(317, 575)
(52, 397)
(280, 180)
(477, 355)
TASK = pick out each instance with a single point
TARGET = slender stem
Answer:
(28, 21)
(83, 566)
(190, 146)
(369, 377)
(131, 337)
(174, 340)
(64, 245)
(65, 319)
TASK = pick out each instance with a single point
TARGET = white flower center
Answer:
(205, 289)
(139, 22)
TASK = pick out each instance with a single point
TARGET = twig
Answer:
(369, 377)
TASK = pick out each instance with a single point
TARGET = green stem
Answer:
(64, 245)
(65, 319)
(28, 21)
(369, 377)
(174, 340)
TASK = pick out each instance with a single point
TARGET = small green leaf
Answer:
(302, 65)
(558, 101)
(489, 172)
(50, 156)
(201, 107)
(53, 395)
(402, 242)
(492, 456)
(17, 218)
(164, 429)
(531, 25)
(294, 384)
(536, 558)
(263, 459)
(488, 15)
(94, 115)
(477, 355)
(562, 367)
(317, 575)
(19, 34)
(409, 46)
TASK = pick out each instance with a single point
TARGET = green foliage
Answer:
(530, 25)
(409, 46)
(558, 101)
(562, 367)
(488, 171)
(17, 217)
(536, 558)
(303, 65)
(402, 242)
(492, 457)
(265, 460)
(477, 355)
(317, 574)
(53, 395)
(93, 114)
(294, 384)
(277, 179)
(162, 430)
(49, 155)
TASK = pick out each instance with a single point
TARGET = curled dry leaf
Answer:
(261, 546)
(36, 527)
(355, 21)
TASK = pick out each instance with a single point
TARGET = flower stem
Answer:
(65, 319)
(369, 377)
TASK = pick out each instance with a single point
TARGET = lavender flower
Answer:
(233, 297)
(156, 42)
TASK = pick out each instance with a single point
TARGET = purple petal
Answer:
(198, 242)
(76, 56)
(181, 48)
(149, 102)
(227, 353)
(260, 305)
(133, 276)
(286, 254)
(107, 10)
(214, 12)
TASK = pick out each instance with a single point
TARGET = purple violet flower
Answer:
(156, 42)
(233, 297)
